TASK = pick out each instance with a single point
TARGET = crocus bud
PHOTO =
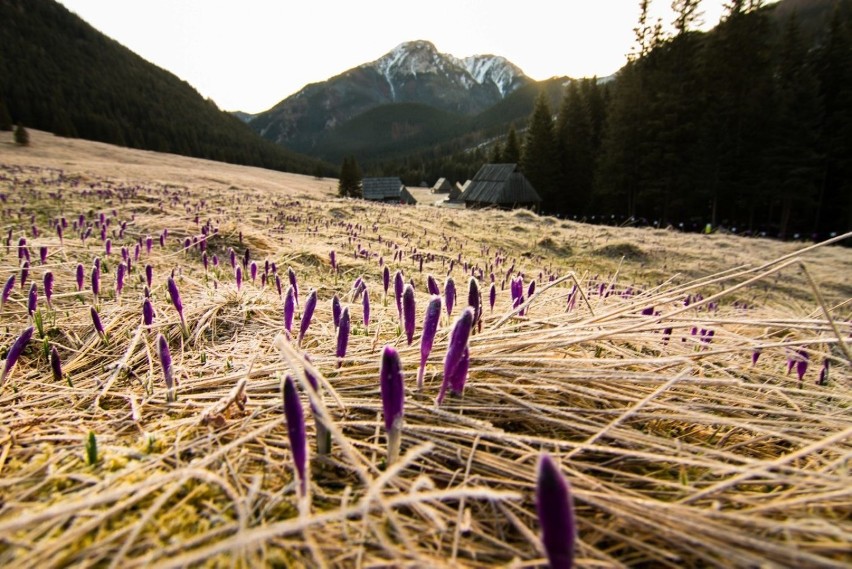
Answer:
(332, 256)
(289, 309)
(291, 275)
(392, 388)
(7, 289)
(430, 327)
(432, 285)
(342, 336)
(555, 507)
(238, 276)
(147, 312)
(335, 311)
(42, 254)
(492, 296)
(457, 359)
(253, 271)
(308, 314)
(166, 363)
(96, 280)
(802, 364)
(81, 272)
(174, 294)
(365, 304)
(96, 322)
(119, 278)
(386, 279)
(398, 285)
(48, 286)
(449, 294)
(32, 300)
(15, 352)
(296, 432)
(408, 313)
(474, 299)
(55, 364)
(25, 271)
(149, 275)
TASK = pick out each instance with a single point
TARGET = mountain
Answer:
(61, 75)
(412, 73)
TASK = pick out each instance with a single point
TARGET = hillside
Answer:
(693, 389)
(61, 75)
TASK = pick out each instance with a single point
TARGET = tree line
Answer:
(746, 127)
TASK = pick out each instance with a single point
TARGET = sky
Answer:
(251, 54)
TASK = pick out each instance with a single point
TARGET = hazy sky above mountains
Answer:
(249, 55)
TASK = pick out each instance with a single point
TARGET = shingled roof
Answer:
(381, 189)
(500, 185)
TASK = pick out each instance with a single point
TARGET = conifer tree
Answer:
(349, 183)
(539, 160)
(22, 137)
(496, 156)
(574, 135)
(512, 151)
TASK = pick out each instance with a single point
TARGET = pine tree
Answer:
(22, 137)
(574, 135)
(349, 183)
(793, 159)
(512, 151)
(539, 159)
(496, 156)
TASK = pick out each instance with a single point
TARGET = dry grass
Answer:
(680, 452)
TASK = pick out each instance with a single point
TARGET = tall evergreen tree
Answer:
(349, 183)
(496, 156)
(575, 143)
(833, 212)
(512, 150)
(539, 159)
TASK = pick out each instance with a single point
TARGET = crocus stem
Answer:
(394, 439)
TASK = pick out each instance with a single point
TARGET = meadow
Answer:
(694, 389)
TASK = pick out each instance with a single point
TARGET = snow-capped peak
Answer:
(420, 57)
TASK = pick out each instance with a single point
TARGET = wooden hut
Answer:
(442, 186)
(500, 185)
(387, 189)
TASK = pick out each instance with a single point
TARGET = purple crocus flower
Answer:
(289, 309)
(295, 416)
(232, 255)
(823, 372)
(531, 289)
(342, 336)
(332, 256)
(25, 271)
(365, 304)
(335, 311)
(81, 272)
(802, 363)
(430, 327)
(48, 287)
(754, 355)
(96, 279)
(238, 276)
(291, 275)
(408, 312)
(398, 285)
(32, 299)
(386, 279)
(492, 296)
(474, 299)
(15, 352)
(308, 314)
(449, 294)
(55, 364)
(166, 363)
(174, 294)
(147, 312)
(392, 387)
(149, 243)
(42, 254)
(108, 247)
(457, 359)
(99, 326)
(253, 271)
(555, 507)
(119, 278)
(149, 275)
(432, 285)
(7, 289)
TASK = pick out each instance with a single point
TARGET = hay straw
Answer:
(680, 452)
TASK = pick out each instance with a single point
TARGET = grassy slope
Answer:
(679, 453)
